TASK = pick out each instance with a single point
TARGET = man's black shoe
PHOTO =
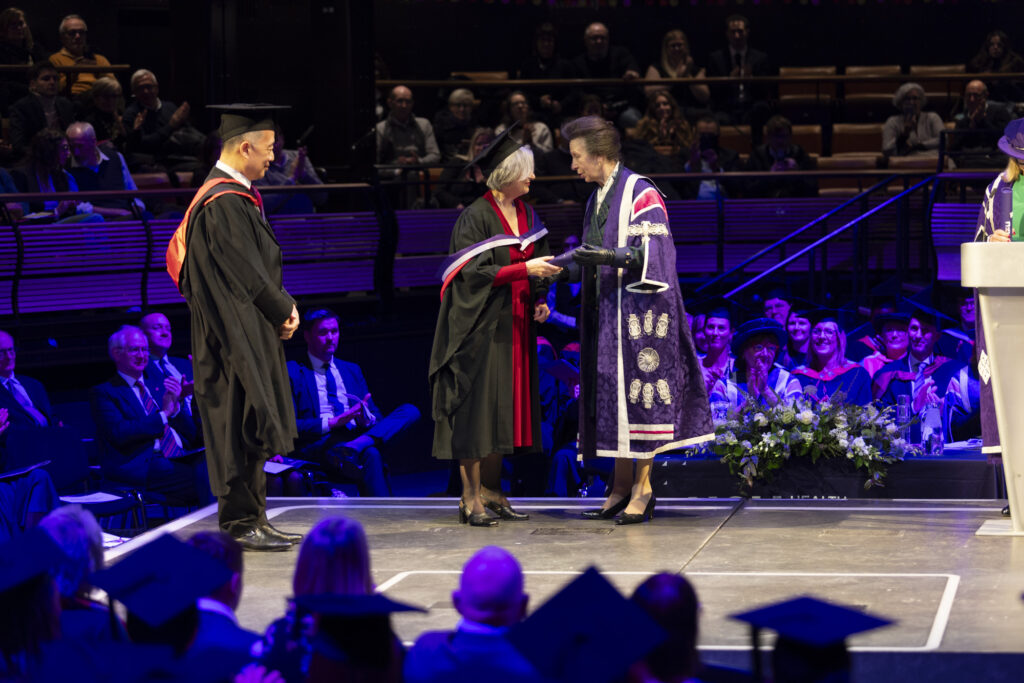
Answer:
(258, 538)
(277, 533)
(1006, 511)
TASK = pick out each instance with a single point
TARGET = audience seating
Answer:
(736, 137)
(937, 69)
(846, 187)
(481, 75)
(808, 137)
(806, 102)
(806, 88)
(875, 86)
(856, 138)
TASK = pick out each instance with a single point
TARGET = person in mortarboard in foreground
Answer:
(641, 386)
(227, 264)
(483, 366)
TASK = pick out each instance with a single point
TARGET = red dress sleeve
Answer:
(507, 274)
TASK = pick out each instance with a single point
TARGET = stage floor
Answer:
(956, 596)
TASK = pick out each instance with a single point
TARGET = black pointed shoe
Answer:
(474, 519)
(273, 531)
(645, 516)
(259, 539)
(505, 511)
(606, 513)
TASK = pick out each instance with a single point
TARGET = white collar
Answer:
(217, 607)
(103, 157)
(317, 363)
(603, 191)
(129, 380)
(236, 174)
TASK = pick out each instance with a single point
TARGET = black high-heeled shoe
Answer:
(505, 511)
(645, 516)
(607, 513)
(474, 519)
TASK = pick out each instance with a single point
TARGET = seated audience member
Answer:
(557, 162)
(340, 427)
(996, 55)
(534, 134)
(700, 340)
(218, 625)
(717, 363)
(334, 560)
(922, 374)
(706, 156)
(892, 327)
(80, 538)
(490, 599)
(25, 497)
(973, 142)
(76, 52)
(29, 610)
(601, 59)
(755, 345)
(24, 398)
(671, 601)
(290, 167)
(777, 304)
(961, 405)
(740, 102)
(663, 125)
(103, 108)
(866, 339)
(159, 134)
(144, 434)
(912, 131)
(17, 47)
(544, 62)
(404, 139)
(42, 108)
(798, 329)
(44, 171)
(95, 167)
(828, 370)
(454, 125)
(161, 366)
(460, 185)
(780, 154)
(677, 62)
(959, 341)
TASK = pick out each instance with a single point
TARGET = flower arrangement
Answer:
(755, 441)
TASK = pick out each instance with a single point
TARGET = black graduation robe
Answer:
(232, 280)
(471, 361)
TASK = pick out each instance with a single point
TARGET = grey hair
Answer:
(252, 137)
(461, 96)
(80, 128)
(119, 339)
(60, 29)
(139, 75)
(79, 535)
(904, 90)
(516, 166)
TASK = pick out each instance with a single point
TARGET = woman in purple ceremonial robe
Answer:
(641, 387)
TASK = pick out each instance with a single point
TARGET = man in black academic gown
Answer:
(231, 276)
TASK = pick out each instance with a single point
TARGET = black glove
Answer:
(589, 255)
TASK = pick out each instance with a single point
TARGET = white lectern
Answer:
(997, 271)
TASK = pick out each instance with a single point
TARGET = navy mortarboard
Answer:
(353, 606)
(238, 119)
(162, 579)
(587, 632)
(503, 146)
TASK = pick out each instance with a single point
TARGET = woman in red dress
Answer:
(483, 366)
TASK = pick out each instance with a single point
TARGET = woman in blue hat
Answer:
(755, 345)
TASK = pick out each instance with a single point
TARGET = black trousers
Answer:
(245, 504)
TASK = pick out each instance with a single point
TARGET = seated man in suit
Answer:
(161, 366)
(143, 432)
(340, 427)
(24, 398)
(25, 497)
(490, 599)
(218, 626)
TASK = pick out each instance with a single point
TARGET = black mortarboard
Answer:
(810, 621)
(26, 556)
(844, 319)
(719, 307)
(162, 579)
(776, 293)
(930, 316)
(587, 632)
(353, 606)
(238, 119)
(755, 328)
(502, 147)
